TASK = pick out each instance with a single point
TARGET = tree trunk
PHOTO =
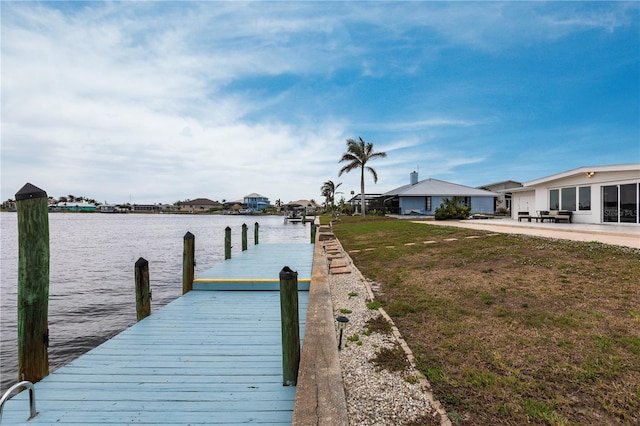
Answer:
(362, 198)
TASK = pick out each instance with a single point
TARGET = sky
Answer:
(161, 101)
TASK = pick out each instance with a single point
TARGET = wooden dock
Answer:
(208, 357)
(258, 268)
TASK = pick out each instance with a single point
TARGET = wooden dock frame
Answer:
(319, 397)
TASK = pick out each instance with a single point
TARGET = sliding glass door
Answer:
(629, 203)
(620, 203)
(610, 203)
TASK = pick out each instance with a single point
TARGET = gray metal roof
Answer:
(255, 195)
(431, 187)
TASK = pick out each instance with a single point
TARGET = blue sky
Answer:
(165, 101)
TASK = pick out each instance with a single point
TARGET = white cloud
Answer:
(165, 101)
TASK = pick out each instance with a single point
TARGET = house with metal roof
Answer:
(607, 194)
(424, 197)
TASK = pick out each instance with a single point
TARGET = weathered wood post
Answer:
(33, 283)
(290, 326)
(143, 292)
(188, 262)
(227, 243)
(255, 233)
(313, 232)
(244, 236)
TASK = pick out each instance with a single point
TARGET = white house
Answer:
(597, 194)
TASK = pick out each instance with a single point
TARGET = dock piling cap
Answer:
(29, 191)
(288, 274)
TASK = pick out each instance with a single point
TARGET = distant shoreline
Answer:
(220, 213)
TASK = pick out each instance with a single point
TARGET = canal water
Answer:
(92, 257)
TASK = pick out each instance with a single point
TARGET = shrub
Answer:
(452, 208)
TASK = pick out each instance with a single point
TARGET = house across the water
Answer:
(200, 205)
(303, 206)
(75, 206)
(256, 202)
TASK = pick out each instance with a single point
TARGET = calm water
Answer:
(91, 290)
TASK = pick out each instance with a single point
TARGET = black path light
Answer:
(342, 323)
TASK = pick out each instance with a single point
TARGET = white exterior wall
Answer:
(524, 201)
(600, 179)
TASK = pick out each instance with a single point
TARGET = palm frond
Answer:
(373, 173)
(348, 168)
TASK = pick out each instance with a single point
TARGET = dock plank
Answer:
(266, 260)
(208, 357)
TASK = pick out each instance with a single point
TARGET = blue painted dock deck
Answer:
(259, 268)
(208, 357)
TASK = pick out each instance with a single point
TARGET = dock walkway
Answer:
(208, 357)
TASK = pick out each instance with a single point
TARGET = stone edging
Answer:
(424, 383)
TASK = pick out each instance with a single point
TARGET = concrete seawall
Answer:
(320, 396)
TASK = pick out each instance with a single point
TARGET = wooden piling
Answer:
(244, 236)
(33, 283)
(255, 233)
(227, 243)
(313, 232)
(188, 262)
(143, 291)
(290, 326)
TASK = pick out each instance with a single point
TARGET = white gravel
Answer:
(375, 396)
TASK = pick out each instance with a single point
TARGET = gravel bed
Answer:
(376, 396)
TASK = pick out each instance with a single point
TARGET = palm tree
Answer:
(358, 155)
(329, 192)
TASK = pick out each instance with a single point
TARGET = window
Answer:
(620, 203)
(568, 198)
(554, 199)
(610, 203)
(629, 203)
(584, 198)
(467, 201)
(427, 206)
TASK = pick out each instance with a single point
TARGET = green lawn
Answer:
(510, 329)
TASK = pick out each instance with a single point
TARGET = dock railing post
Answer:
(290, 326)
(244, 236)
(255, 233)
(188, 262)
(33, 283)
(227, 243)
(143, 291)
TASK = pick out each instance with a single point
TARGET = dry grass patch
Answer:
(512, 329)
(378, 324)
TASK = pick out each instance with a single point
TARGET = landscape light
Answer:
(342, 323)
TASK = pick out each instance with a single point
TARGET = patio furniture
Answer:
(556, 216)
(526, 215)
